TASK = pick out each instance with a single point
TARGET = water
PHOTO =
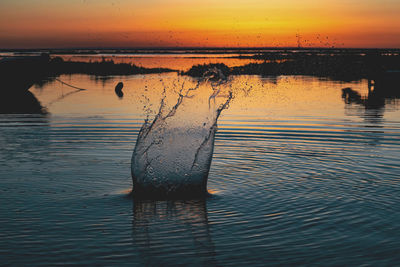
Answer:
(173, 152)
(182, 62)
(298, 177)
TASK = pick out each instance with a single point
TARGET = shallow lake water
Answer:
(299, 176)
(181, 62)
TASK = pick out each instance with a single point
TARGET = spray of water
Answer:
(173, 152)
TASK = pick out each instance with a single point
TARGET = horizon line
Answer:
(199, 48)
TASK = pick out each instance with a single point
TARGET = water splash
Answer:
(173, 153)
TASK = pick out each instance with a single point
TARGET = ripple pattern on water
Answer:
(295, 189)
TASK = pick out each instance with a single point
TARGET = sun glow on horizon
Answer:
(177, 23)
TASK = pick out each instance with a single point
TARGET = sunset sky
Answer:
(199, 23)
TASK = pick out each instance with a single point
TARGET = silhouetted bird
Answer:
(118, 90)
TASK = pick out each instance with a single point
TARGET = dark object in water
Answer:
(350, 96)
(118, 90)
(385, 85)
(382, 89)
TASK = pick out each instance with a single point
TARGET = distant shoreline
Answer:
(202, 50)
(335, 64)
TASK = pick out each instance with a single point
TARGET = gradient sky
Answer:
(197, 23)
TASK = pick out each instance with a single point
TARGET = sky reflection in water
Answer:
(299, 176)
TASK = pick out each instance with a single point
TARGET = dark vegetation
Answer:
(22, 72)
(58, 66)
(22, 103)
(200, 70)
(153, 50)
(382, 66)
(18, 74)
(342, 65)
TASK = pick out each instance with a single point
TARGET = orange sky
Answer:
(195, 23)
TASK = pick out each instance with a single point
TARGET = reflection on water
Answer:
(384, 90)
(15, 147)
(297, 178)
(180, 62)
(172, 233)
